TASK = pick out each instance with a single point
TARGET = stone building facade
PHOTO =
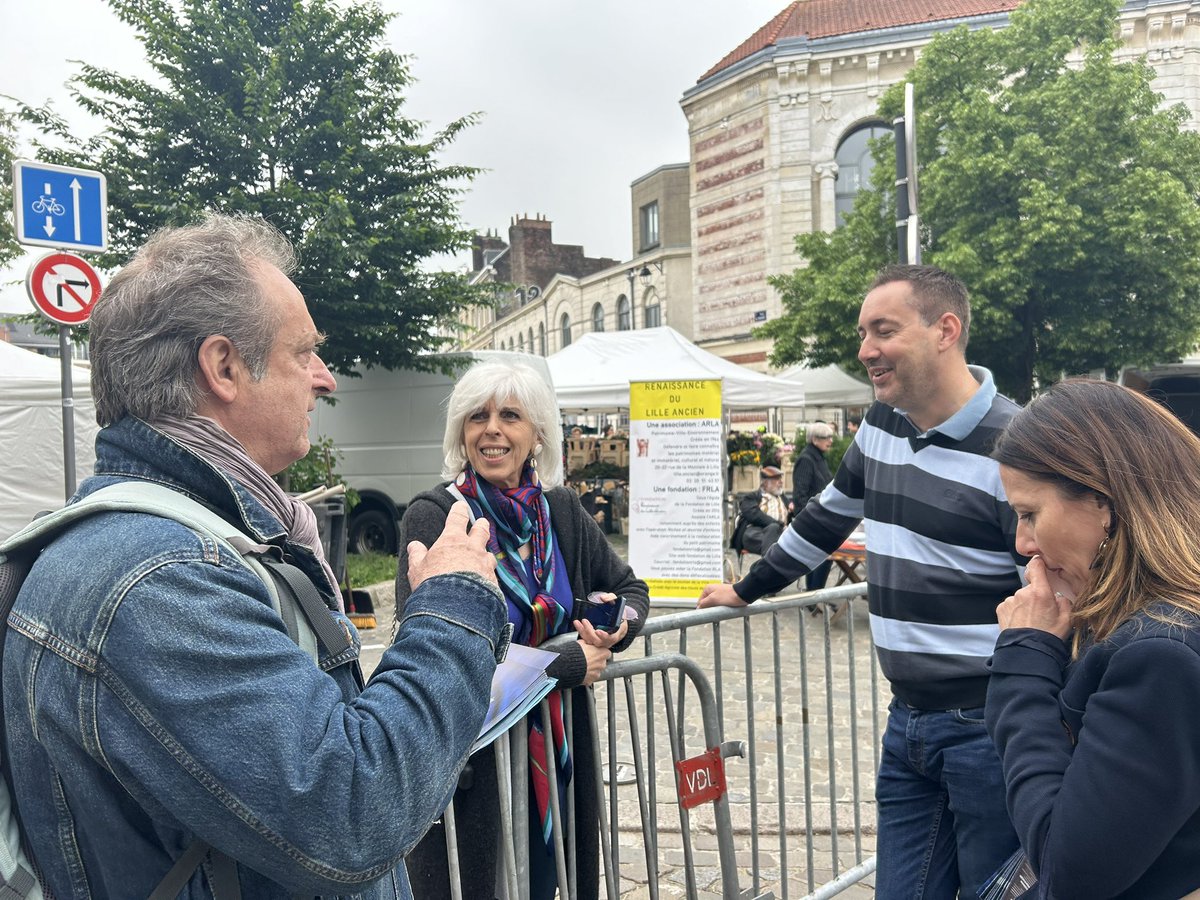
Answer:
(652, 288)
(778, 133)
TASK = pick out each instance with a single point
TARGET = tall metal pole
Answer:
(908, 231)
(910, 161)
(68, 409)
(901, 143)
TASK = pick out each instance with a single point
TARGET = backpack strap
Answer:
(158, 500)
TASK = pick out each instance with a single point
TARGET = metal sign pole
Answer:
(901, 143)
(908, 232)
(910, 160)
(68, 405)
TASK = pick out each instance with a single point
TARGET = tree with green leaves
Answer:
(9, 248)
(288, 109)
(1052, 182)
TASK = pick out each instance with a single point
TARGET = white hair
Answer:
(819, 432)
(500, 382)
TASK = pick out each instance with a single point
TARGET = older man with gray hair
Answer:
(762, 514)
(167, 733)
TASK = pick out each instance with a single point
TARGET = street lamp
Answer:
(644, 276)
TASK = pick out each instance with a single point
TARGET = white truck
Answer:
(388, 427)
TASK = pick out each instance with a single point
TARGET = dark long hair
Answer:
(1100, 439)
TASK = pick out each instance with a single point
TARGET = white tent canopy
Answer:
(31, 435)
(594, 372)
(830, 386)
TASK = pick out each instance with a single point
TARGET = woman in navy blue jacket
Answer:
(1094, 700)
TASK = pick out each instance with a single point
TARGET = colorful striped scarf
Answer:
(520, 516)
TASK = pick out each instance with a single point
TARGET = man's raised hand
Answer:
(461, 547)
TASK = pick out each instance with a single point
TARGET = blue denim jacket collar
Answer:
(132, 448)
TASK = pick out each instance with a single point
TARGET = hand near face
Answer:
(1037, 605)
(455, 550)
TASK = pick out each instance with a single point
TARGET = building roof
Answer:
(814, 19)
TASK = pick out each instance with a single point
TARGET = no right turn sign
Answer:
(63, 287)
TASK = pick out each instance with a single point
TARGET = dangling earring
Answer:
(537, 448)
(1100, 553)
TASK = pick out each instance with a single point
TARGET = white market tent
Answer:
(31, 436)
(830, 386)
(594, 372)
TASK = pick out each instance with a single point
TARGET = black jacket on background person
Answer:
(810, 476)
(750, 513)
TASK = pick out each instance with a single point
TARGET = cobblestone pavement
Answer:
(820, 709)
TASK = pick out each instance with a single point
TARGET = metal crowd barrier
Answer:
(792, 700)
(805, 694)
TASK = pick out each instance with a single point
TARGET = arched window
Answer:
(531, 340)
(624, 318)
(541, 338)
(652, 315)
(564, 330)
(597, 318)
(521, 343)
(854, 162)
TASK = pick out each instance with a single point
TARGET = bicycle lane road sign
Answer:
(63, 288)
(59, 206)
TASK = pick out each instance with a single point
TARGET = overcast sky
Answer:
(578, 98)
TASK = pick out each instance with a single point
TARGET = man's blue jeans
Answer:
(943, 823)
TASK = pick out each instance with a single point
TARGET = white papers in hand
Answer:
(519, 685)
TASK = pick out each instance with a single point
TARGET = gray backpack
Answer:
(305, 616)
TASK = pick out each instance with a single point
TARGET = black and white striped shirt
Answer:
(940, 545)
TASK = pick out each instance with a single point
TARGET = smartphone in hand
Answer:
(603, 616)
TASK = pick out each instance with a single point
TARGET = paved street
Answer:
(791, 760)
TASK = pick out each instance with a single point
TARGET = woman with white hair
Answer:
(502, 454)
(808, 480)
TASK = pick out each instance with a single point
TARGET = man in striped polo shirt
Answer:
(941, 557)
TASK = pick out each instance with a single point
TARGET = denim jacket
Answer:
(153, 696)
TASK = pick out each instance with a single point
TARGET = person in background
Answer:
(940, 556)
(594, 505)
(1096, 674)
(159, 717)
(808, 480)
(853, 423)
(762, 514)
(501, 454)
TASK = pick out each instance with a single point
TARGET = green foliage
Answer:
(1062, 195)
(9, 248)
(288, 109)
(318, 468)
(833, 456)
(370, 568)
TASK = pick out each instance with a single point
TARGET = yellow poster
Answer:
(675, 400)
(675, 485)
